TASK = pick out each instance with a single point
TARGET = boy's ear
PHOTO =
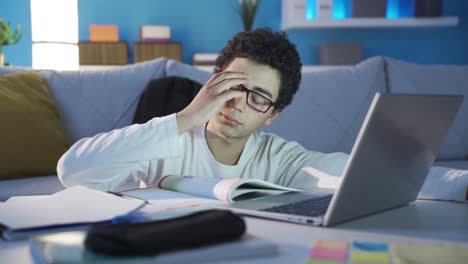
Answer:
(272, 118)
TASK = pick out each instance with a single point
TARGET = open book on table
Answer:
(211, 188)
(69, 209)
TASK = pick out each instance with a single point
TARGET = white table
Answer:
(421, 221)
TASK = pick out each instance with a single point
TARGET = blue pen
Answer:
(127, 196)
(131, 217)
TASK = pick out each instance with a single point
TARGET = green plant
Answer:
(247, 11)
(7, 36)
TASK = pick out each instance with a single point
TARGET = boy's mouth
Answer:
(229, 120)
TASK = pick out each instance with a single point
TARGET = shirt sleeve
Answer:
(121, 157)
(445, 184)
(301, 168)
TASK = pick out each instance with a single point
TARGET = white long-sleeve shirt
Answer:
(138, 155)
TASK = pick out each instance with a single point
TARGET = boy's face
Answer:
(236, 120)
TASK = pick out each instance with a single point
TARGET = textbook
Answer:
(212, 188)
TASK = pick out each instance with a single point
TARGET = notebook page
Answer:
(74, 205)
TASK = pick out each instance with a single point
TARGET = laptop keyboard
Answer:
(310, 207)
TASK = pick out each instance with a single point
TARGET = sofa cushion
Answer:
(454, 164)
(409, 78)
(445, 183)
(13, 69)
(330, 106)
(32, 138)
(95, 101)
(175, 68)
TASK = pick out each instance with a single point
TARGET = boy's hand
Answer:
(210, 99)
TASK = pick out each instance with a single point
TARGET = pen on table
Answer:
(130, 217)
(127, 196)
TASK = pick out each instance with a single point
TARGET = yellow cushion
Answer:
(32, 138)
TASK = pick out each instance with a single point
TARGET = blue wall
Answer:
(206, 26)
(201, 25)
(18, 12)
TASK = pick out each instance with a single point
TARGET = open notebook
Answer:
(71, 208)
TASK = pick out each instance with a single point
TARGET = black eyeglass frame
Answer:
(248, 91)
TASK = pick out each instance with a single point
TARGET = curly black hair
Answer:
(270, 48)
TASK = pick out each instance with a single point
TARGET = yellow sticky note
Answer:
(429, 254)
(369, 257)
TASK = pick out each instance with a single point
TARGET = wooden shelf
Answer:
(372, 23)
(149, 51)
(103, 53)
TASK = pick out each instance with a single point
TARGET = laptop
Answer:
(391, 157)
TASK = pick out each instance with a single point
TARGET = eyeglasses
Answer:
(255, 100)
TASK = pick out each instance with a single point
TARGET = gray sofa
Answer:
(326, 113)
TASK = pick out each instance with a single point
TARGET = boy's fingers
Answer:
(219, 77)
(213, 77)
(228, 84)
(229, 94)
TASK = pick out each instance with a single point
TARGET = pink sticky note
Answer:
(331, 254)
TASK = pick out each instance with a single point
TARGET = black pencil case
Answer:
(154, 237)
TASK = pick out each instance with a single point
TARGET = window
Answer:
(54, 26)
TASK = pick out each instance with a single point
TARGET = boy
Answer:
(256, 77)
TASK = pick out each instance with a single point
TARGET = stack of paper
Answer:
(204, 59)
(429, 254)
(68, 208)
(155, 34)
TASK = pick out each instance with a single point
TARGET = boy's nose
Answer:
(237, 103)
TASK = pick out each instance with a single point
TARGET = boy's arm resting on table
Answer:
(301, 168)
(445, 184)
(109, 160)
(307, 169)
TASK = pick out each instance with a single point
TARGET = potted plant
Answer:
(7, 37)
(247, 11)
